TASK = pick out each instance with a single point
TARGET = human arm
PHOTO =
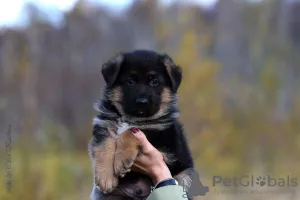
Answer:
(151, 162)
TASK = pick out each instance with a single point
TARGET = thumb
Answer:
(146, 145)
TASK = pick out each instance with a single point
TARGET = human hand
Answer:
(150, 161)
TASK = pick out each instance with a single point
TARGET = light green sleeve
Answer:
(174, 192)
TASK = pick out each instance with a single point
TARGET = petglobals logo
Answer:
(251, 181)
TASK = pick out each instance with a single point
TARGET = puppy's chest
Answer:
(121, 127)
(161, 139)
(158, 138)
(153, 135)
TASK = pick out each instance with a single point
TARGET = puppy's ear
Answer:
(110, 69)
(174, 71)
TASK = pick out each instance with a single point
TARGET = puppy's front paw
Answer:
(105, 178)
(126, 152)
(123, 162)
(106, 181)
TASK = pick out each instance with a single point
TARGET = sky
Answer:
(11, 10)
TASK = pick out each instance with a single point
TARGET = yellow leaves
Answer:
(48, 175)
(50, 167)
(163, 30)
(269, 79)
(210, 153)
(188, 48)
(23, 63)
(185, 17)
(206, 40)
(213, 153)
(200, 76)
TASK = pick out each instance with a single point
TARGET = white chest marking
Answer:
(123, 127)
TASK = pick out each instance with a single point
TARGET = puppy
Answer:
(141, 92)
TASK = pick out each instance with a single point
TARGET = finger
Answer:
(146, 145)
(139, 168)
(142, 159)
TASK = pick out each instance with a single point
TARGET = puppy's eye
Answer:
(154, 82)
(130, 82)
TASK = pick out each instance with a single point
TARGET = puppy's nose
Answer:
(142, 101)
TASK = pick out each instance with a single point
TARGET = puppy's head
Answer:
(142, 83)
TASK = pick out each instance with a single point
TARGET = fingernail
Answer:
(134, 130)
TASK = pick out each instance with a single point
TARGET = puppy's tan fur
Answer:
(105, 178)
(128, 147)
(115, 157)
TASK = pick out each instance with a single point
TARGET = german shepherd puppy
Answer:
(141, 92)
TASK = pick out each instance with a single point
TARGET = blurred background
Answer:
(239, 99)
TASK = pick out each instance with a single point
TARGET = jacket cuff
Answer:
(174, 192)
